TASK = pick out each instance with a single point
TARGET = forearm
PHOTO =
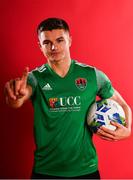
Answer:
(128, 114)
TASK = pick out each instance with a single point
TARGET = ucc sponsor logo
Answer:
(70, 101)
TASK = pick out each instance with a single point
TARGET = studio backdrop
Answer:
(102, 36)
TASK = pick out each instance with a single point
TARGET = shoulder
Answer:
(37, 73)
(98, 73)
(84, 66)
(39, 69)
(87, 69)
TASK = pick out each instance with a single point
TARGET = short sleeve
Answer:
(32, 82)
(105, 88)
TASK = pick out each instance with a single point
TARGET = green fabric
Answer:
(64, 144)
(105, 89)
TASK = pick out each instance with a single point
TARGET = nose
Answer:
(53, 47)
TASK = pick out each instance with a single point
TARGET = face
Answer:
(55, 45)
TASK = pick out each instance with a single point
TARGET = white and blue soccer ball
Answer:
(102, 112)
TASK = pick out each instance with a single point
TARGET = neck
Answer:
(61, 67)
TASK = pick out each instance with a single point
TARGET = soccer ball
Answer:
(104, 111)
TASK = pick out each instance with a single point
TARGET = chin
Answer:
(56, 59)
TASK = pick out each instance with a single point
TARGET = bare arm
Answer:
(121, 132)
(17, 91)
(117, 97)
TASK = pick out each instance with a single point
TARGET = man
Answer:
(62, 90)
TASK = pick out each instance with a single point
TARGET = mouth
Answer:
(54, 53)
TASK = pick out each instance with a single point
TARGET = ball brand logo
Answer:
(81, 83)
(64, 102)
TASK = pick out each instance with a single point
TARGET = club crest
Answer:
(81, 83)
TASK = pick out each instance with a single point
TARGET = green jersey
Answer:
(63, 140)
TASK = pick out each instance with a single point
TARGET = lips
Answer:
(54, 53)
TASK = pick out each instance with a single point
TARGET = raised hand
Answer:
(16, 89)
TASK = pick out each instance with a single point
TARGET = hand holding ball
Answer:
(102, 112)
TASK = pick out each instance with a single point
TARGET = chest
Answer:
(73, 91)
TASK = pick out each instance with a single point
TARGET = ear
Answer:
(70, 41)
(39, 45)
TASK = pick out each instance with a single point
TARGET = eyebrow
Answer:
(47, 40)
(61, 37)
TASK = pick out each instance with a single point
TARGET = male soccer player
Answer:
(61, 91)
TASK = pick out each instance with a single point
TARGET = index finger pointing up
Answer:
(25, 75)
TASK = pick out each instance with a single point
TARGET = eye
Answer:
(46, 42)
(60, 40)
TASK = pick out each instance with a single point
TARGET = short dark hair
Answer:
(52, 23)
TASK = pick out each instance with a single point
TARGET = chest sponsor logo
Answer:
(47, 87)
(81, 83)
(65, 103)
